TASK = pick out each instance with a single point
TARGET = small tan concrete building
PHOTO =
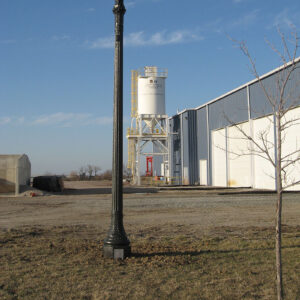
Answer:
(15, 172)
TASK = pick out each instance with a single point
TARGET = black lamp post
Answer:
(117, 245)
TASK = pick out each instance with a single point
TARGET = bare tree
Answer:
(82, 172)
(96, 169)
(282, 102)
(90, 170)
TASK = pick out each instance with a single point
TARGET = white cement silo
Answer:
(151, 92)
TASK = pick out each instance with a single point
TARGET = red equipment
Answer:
(149, 162)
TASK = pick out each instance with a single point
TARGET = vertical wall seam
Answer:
(169, 151)
(189, 124)
(196, 171)
(275, 148)
(181, 148)
(226, 156)
(190, 128)
(209, 166)
(251, 135)
(195, 148)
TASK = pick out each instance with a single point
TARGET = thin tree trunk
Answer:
(278, 247)
(278, 209)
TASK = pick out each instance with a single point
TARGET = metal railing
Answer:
(153, 72)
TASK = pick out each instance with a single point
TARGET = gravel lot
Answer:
(90, 204)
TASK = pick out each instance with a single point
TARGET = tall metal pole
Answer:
(116, 244)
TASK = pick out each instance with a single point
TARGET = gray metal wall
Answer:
(184, 123)
(259, 103)
(189, 163)
(193, 147)
(293, 87)
(228, 110)
(175, 149)
(202, 133)
(183, 148)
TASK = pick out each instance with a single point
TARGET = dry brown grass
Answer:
(174, 262)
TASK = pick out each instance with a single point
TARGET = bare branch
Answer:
(291, 184)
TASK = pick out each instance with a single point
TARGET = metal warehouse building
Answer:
(205, 144)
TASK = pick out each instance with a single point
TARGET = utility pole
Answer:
(117, 245)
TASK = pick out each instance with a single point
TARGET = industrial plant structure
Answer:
(206, 146)
(148, 134)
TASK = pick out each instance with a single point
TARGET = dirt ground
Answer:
(90, 203)
(191, 244)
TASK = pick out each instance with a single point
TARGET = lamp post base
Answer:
(116, 251)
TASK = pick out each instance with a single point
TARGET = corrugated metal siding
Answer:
(171, 149)
(264, 171)
(290, 149)
(185, 147)
(193, 152)
(175, 156)
(259, 103)
(293, 88)
(231, 109)
(219, 161)
(202, 133)
(209, 139)
(238, 165)
(202, 142)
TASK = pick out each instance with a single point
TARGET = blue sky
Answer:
(56, 66)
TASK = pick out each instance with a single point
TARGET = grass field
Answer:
(173, 262)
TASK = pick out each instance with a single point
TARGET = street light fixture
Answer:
(117, 245)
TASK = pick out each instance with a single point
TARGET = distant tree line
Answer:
(88, 172)
(92, 172)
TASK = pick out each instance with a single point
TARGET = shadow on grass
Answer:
(201, 252)
(105, 190)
